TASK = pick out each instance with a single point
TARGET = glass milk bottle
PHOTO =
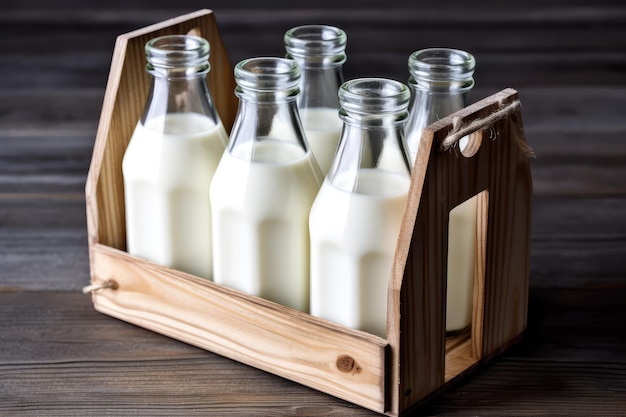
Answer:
(263, 188)
(319, 51)
(171, 158)
(355, 219)
(440, 81)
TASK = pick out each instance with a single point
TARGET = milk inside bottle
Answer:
(323, 129)
(319, 51)
(356, 217)
(440, 82)
(263, 189)
(171, 158)
(461, 253)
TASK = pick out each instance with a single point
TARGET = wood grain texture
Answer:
(565, 57)
(465, 350)
(60, 357)
(347, 364)
(440, 182)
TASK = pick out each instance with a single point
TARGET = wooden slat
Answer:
(347, 364)
(43, 242)
(60, 357)
(177, 387)
(44, 165)
(72, 331)
(49, 111)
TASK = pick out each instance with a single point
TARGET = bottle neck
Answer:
(440, 82)
(178, 95)
(365, 150)
(178, 65)
(320, 84)
(265, 115)
(268, 114)
(259, 121)
(319, 51)
(428, 106)
(374, 112)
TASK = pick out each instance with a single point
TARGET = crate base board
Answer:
(345, 363)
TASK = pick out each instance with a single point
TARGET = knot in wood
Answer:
(345, 363)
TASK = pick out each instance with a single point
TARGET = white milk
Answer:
(166, 189)
(322, 127)
(353, 240)
(260, 221)
(461, 252)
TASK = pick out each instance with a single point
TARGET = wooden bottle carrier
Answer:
(392, 375)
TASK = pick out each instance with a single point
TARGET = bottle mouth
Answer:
(174, 51)
(441, 65)
(374, 96)
(267, 74)
(316, 40)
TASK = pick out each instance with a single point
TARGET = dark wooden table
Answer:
(567, 59)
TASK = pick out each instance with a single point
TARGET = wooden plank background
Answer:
(567, 59)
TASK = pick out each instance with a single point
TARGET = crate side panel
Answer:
(441, 181)
(125, 98)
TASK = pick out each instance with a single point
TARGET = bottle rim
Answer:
(442, 64)
(267, 74)
(374, 96)
(174, 51)
(316, 40)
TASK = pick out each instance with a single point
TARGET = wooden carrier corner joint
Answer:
(391, 375)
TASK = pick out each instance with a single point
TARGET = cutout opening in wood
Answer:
(470, 144)
(467, 230)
